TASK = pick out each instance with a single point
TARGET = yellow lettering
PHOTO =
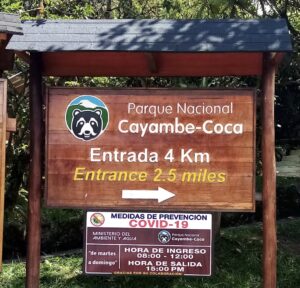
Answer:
(211, 177)
(221, 177)
(90, 175)
(78, 173)
(81, 174)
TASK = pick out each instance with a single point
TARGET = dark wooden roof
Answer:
(10, 23)
(153, 36)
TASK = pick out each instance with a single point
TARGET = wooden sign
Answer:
(152, 149)
(3, 89)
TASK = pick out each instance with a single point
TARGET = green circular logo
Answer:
(87, 117)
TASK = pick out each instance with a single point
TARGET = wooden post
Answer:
(3, 98)
(35, 177)
(269, 174)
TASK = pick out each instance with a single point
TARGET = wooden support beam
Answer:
(135, 64)
(269, 174)
(3, 36)
(11, 126)
(152, 64)
(277, 57)
(35, 176)
(3, 101)
(6, 56)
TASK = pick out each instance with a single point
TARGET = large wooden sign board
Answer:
(151, 149)
(3, 89)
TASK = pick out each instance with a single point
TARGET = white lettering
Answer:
(156, 128)
(209, 127)
(97, 155)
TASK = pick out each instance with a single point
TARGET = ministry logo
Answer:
(87, 117)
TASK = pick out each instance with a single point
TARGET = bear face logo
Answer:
(86, 124)
(164, 236)
(86, 117)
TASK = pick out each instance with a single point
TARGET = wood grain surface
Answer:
(160, 64)
(3, 95)
(217, 174)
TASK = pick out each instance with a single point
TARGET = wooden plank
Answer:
(230, 154)
(6, 56)
(269, 174)
(151, 62)
(277, 57)
(3, 97)
(11, 124)
(136, 64)
(35, 176)
(3, 36)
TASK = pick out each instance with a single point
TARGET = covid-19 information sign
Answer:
(180, 150)
(144, 243)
